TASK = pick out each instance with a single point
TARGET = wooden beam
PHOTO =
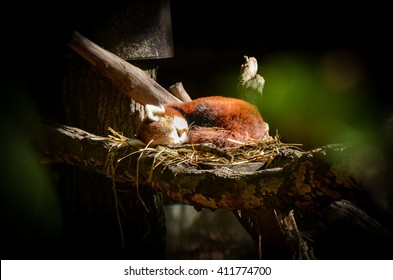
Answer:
(128, 78)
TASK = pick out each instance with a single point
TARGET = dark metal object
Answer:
(133, 30)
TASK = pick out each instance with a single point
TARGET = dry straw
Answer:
(263, 151)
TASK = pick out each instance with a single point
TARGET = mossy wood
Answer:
(293, 179)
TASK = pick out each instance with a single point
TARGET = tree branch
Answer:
(303, 180)
(179, 91)
(129, 79)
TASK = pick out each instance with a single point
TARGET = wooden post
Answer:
(104, 219)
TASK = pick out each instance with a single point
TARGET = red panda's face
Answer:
(163, 127)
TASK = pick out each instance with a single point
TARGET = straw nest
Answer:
(263, 151)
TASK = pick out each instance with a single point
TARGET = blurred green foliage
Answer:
(314, 98)
(317, 100)
(31, 211)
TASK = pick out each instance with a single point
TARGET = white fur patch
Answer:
(179, 133)
(153, 112)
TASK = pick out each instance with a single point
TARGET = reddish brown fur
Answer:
(215, 120)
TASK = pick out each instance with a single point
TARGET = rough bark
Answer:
(276, 233)
(103, 220)
(317, 186)
(294, 179)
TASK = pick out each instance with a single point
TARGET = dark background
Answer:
(294, 44)
(210, 39)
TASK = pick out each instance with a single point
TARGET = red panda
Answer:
(214, 119)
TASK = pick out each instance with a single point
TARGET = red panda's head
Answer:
(163, 126)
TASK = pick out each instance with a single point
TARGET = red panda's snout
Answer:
(161, 127)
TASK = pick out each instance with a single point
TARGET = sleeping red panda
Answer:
(214, 119)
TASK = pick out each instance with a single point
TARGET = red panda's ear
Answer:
(153, 113)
